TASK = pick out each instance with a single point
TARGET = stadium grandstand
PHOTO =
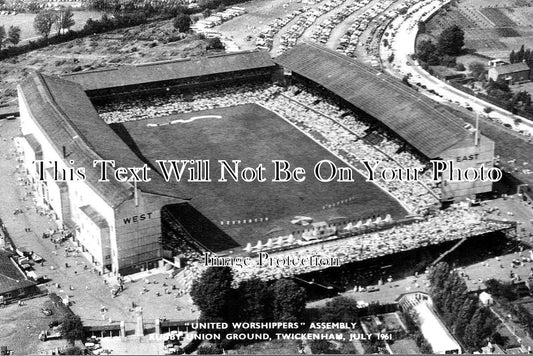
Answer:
(173, 74)
(226, 107)
(419, 121)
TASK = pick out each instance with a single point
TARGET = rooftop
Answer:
(434, 331)
(415, 118)
(69, 120)
(170, 70)
(95, 217)
(511, 68)
(11, 278)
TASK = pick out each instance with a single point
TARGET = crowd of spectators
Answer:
(454, 223)
(343, 133)
(160, 106)
(346, 134)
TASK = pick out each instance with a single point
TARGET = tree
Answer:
(288, 301)
(434, 59)
(2, 35)
(464, 315)
(254, 300)
(421, 26)
(209, 350)
(451, 40)
(322, 347)
(460, 67)
(43, 22)
(65, 19)
(74, 350)
(520, 54)
(72, 328)
(512, 57)
(482, 326)
(425, 49)
(212, 293)
(438, 274)
(13, 34)
(529, 60)
(182, 23)
(340, 309)
(476, 68)
(215, 43)
(501, 290)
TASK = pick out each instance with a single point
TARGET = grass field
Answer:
(256, 136)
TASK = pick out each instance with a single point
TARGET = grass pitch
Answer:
(254, 135)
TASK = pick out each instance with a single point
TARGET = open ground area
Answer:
(21, 326)
(139, 44)
(491, 29)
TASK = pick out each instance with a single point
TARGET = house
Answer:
(492, 349)
(510, 73)
(486, 299)
(13, 282)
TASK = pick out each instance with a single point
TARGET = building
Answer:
(127, 227)
(486, 299)
(432, 328)
(510, 73)
(186, 73)
(430, 129)
(115, 223)
(13, 281)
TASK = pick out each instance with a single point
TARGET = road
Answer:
(403, 45)
(84, 286)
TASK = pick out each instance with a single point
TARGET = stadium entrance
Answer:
(187, 233)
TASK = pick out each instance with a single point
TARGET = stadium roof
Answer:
(7, 111)
(11, 278)
(171, 70)
(70, 122)
(411, 115)
(95, 216)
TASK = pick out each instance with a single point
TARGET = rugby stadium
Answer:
(308, 105)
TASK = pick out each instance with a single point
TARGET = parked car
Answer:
(47, 311)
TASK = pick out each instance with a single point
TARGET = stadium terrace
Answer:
(309, 104)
